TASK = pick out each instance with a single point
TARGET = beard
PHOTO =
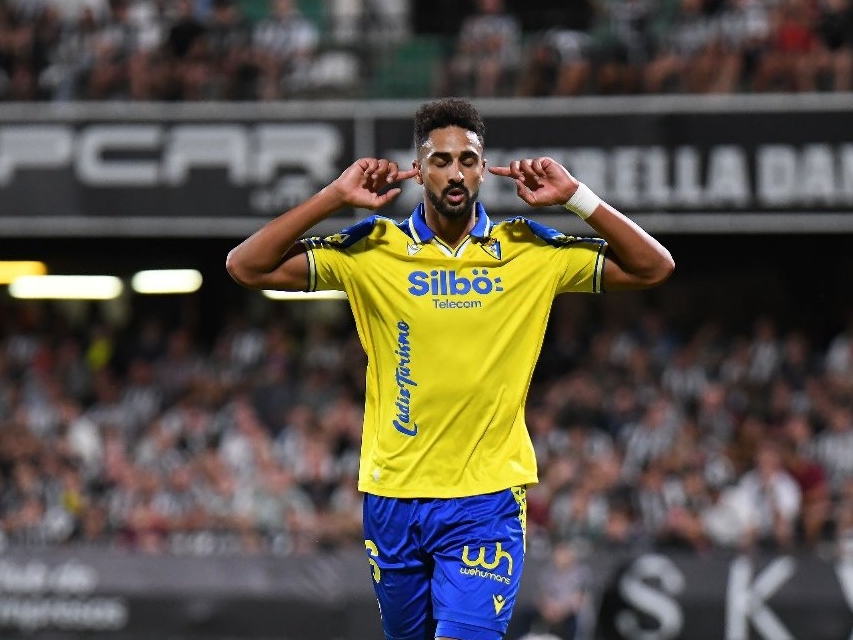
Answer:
(448, 210)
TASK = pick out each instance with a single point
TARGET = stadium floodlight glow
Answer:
(166, 281)
(304, 295)
(11, 269)
(66, 287)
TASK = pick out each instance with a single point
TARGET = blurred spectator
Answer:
(284, 43)
(141, 397)
(684, 526)
(18, 71)
(765, 352)
(714, 416)
(832, 448)
(488, 53)
(577, 511)
(745, 27)
(279, 508)
(650, 438)
(188, 56)
(110, 47)
(229, 43)
(842, 517)
(686, 57)
(839, 359)
(559, 61)
(625, 40)
(811, 478)
(654, 496)
(835, 54)
(726, 523)
(369, 23)
(107, 410)
(179, 365)
(684, 377)
(623, 530)
(775, 498)
(799, 365)
(177, 501)
(789, 63)
(339, 523)
(561, 597)
(71, 10)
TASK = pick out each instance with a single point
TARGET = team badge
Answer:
(492, 247)
(412, 248)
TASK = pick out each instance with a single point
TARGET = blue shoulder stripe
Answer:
(552, 236)
(349, 236)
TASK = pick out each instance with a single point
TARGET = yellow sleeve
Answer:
(584, 266)
(331, 259)
(328, 265)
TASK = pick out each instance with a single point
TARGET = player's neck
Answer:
(451, 231)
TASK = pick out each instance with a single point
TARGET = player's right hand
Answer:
(364, 184)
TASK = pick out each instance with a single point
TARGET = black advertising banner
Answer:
(656, 596)
(684, 165)
(192, 171)
(108, 595)
(691, 164)
(64, 595)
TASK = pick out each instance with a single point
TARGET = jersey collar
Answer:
(421, 232)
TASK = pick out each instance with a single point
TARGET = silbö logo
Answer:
(402, 376)
(441, 282)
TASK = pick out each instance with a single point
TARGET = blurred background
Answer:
(178, 455)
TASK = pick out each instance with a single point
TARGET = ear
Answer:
(418, 178)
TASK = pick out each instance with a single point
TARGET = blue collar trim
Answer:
(422, 233)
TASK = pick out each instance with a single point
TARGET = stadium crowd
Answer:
(154, 441)
(145, 437)
(281, 49)
(148, 437)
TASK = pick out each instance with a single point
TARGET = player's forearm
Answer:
(262, 253)
(638, 253)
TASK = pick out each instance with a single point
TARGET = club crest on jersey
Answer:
(413, 248)
(492, 247)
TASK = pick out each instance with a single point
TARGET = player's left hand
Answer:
(540, 182)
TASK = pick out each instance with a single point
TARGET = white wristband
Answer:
(583, 202)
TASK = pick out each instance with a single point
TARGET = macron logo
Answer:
(499, 602)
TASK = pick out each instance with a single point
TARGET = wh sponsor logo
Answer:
(472, 567)
(440, 282)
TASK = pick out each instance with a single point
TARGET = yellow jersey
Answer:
(452, 337)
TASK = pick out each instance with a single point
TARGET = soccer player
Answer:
(451, 309)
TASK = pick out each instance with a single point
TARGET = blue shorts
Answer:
(446, 567)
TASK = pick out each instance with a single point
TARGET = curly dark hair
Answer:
(447, 112)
